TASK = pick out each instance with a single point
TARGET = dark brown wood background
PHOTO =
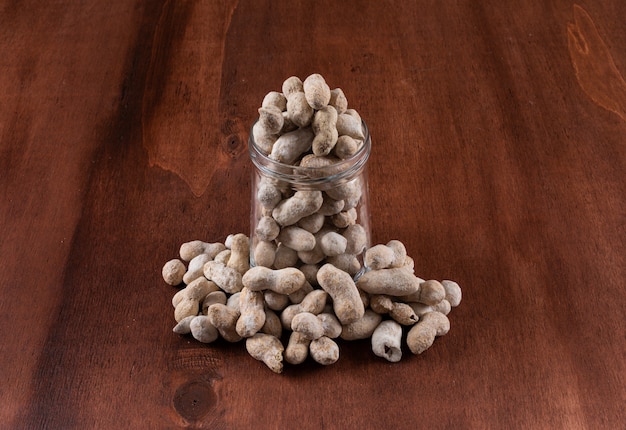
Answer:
(499, 158)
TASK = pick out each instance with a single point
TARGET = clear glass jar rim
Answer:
(337, 172)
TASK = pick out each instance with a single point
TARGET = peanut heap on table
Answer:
(300, 296)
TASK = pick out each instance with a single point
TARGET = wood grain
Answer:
(498, 158)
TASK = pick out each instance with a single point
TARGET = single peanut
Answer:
(338, 100)
(339, 285)
(296, 238)
(227, 278)
(272, 324)
(385, 256)
(330, 324)
(325, 129)
(431, 292)
(361, 328)
(324, 350)
(274, 98)
(285, 257)
(422, 335)
(264, 253)
(275, 301)
(290, 146)
(173, 272)
(252, 315)
(202, 329)
(386, 341)
(189, 250)
(300, 205)
(239, 253)
(267, 229)
(349, 123)
(297, 348)
(313, 303)
(183, 325)
(212, 298)
(195, 268)
(308, 324)
(224, 319)
(453, 292)
(348, 263)
(393, 282)
(316, 91)
(283, 281)
(271, 119)
(268, 349)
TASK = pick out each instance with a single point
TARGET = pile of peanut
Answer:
(223, 297)
(300, 293)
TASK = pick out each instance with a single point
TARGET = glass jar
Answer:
(308, 216)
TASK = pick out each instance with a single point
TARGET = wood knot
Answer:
(194, 399)
(232, 146)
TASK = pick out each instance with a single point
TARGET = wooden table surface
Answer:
(499, 158)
